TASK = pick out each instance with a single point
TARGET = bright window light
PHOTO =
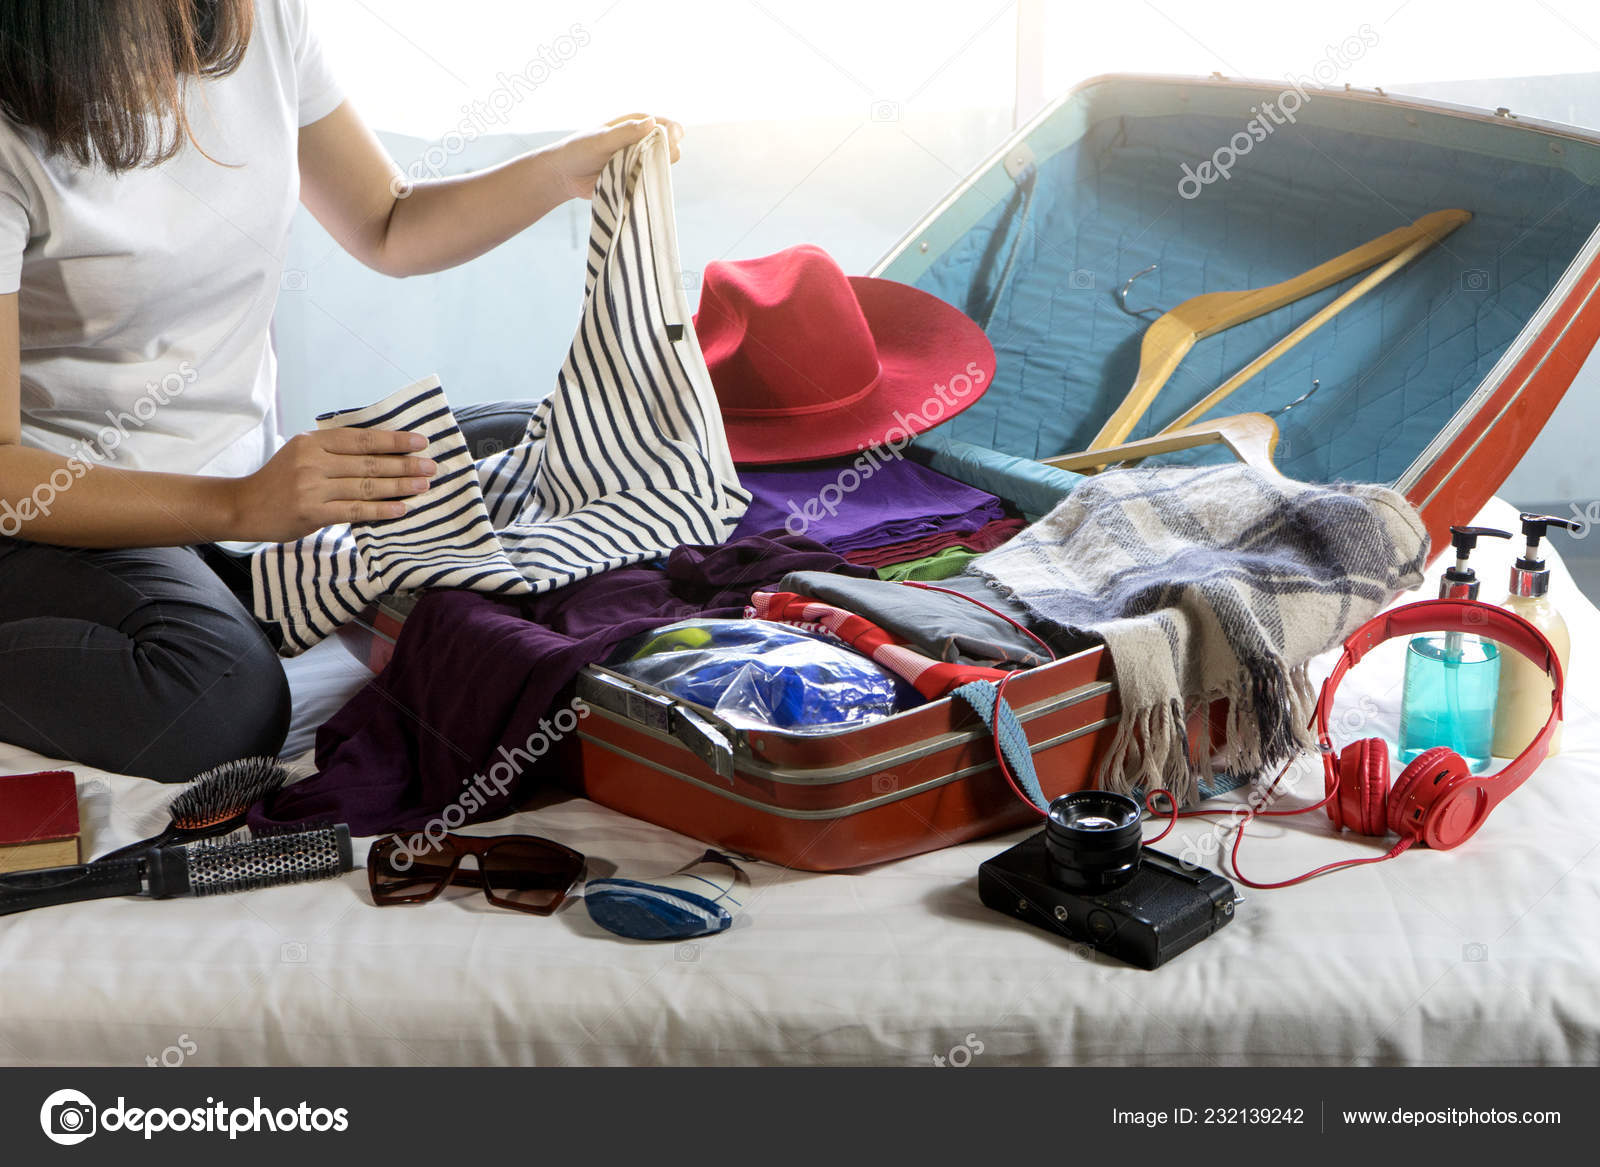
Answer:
(418, 66)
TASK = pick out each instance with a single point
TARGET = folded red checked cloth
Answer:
(931, 678)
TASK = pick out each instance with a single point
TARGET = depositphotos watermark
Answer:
(493, 782)
(174, 1055)
(1260, 798)
(69, 1117)
(1586, 517)
(1269, 115)
(87, 454)
(483, 116)
(873, 457)
(961, 1054)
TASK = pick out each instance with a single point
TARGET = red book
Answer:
(38, 820)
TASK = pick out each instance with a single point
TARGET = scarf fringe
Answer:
(1266, 724)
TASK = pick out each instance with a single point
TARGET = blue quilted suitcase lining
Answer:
(1393, 368)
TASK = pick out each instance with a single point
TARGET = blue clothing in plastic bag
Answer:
(760, 674)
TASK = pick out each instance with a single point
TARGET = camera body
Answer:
(1088, 877)
(72, 1118)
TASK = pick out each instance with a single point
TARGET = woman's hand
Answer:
(579, 159)
(331, 476)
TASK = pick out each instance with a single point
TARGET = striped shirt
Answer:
(624, 461)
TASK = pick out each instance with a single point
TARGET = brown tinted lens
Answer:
(396, 873)
(530, 875)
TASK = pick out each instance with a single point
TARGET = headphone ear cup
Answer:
(1433, 765)
(1362, 802)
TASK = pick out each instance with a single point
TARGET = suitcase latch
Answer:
(656, 711)
(704, 740)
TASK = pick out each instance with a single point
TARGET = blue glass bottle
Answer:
(1452, 679)
(1450, 696)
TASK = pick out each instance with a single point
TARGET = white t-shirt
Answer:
(146, 297)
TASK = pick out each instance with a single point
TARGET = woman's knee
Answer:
(138, 661)
(245, 711)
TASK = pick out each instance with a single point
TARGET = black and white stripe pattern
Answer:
(626, 460)
(311, 587)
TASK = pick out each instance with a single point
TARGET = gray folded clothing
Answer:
(946, 627)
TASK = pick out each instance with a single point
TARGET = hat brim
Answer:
(935, 363)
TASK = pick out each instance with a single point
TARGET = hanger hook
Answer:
(1122, 294)
(1316, 384)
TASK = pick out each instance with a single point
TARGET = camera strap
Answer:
(1015, 756)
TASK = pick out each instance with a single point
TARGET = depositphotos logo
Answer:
(70, 1116)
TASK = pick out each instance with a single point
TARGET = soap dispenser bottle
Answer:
(1452, 679)
(1524, 704)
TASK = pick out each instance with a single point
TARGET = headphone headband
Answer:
(1469, 616)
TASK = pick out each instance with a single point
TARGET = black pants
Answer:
(147, 661)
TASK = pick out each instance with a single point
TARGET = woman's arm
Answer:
(329, 476)
(352, 186)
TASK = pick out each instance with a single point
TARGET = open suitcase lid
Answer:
(1437, 381)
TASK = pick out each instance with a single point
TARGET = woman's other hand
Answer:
(579, 159)
(331, 476)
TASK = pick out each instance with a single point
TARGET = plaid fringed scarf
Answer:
(1211, 584)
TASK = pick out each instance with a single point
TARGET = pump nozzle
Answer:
(1533, 529)
(1461, 582)
(1464, 539)
(1529, 576)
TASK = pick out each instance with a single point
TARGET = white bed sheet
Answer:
(1483, 955)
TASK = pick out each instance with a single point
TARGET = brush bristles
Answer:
(294, 856)
(225, 792)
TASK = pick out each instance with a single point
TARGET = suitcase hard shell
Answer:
(1437, 382)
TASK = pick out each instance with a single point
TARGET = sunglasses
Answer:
(521, 872)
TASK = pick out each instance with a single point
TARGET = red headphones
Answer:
(1437, 800)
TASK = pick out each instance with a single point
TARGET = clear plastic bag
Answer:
(756, 674)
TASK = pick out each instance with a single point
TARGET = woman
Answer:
(151, 152)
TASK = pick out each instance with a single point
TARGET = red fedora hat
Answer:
(809, 363)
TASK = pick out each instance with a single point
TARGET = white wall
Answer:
(831, 122)
(500, 326)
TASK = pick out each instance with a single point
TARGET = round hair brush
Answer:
(190, 869)
(215, 803)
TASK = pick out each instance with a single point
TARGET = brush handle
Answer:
(24, 890)
(167, 836)
(193, 869)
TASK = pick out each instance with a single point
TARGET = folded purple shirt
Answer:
(850, 504)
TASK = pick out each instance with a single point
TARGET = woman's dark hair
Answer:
(103, 80)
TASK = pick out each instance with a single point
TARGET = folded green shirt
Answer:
(940, 565)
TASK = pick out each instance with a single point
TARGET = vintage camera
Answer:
(1088, 876)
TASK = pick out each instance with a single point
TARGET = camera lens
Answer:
(1092, 839)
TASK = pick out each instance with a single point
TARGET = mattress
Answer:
(1483, 955)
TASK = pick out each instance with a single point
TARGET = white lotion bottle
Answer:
(1524, 702)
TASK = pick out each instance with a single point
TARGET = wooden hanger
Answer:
(1168, 340)
(1251, 436)
(1211, 400)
